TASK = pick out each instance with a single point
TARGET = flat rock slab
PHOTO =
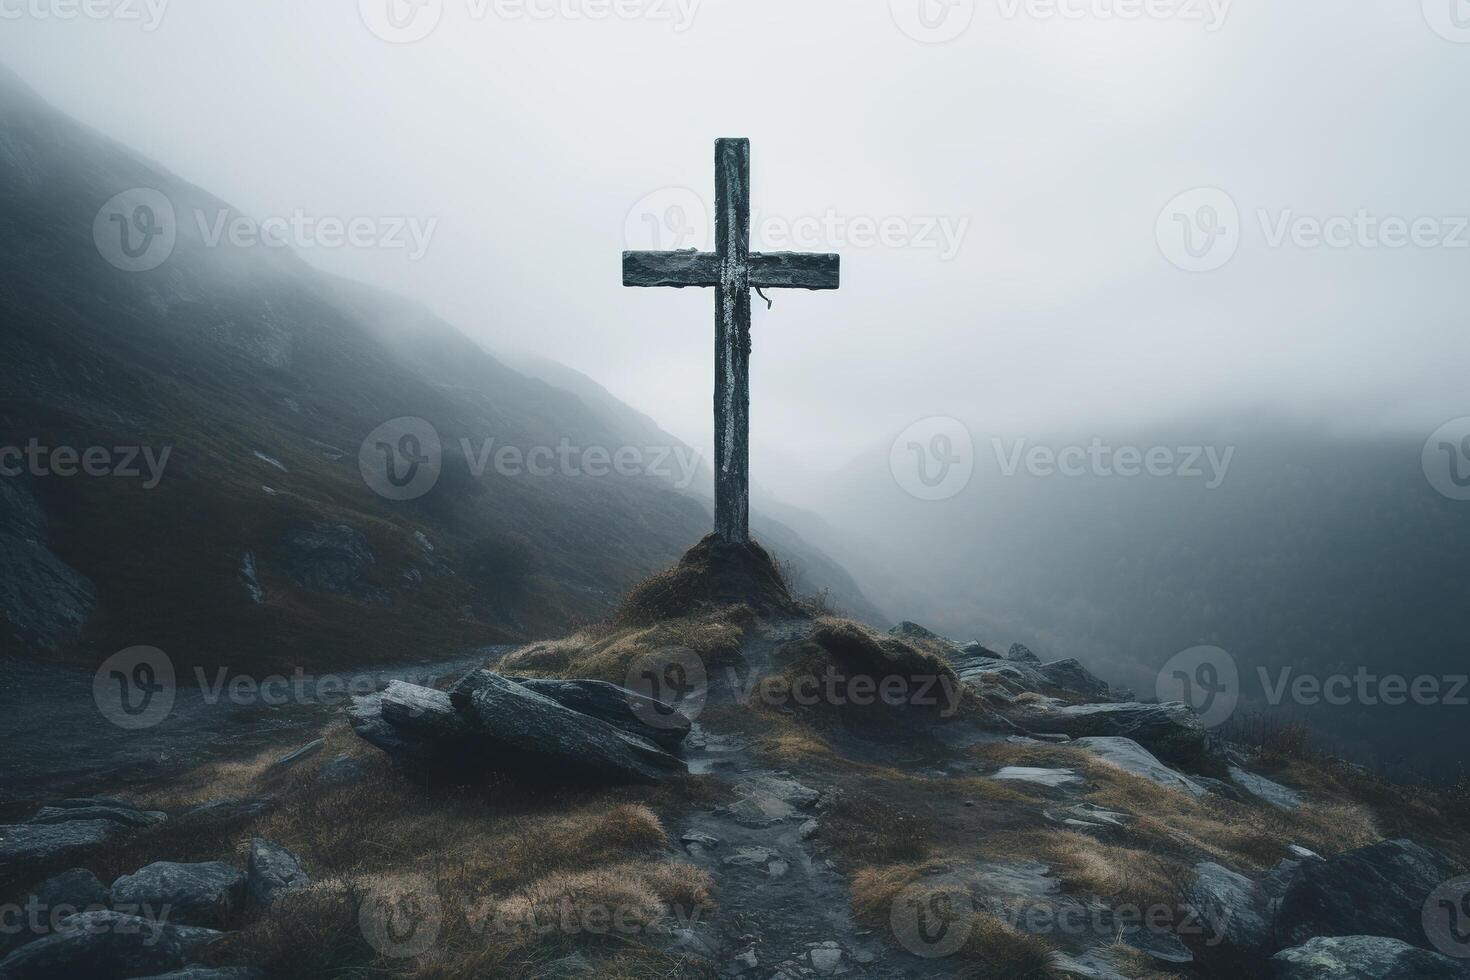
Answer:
(632, 712)
(1364, 958)
(521, 729)
(767, 799)
(35, 843)
(1128, 755)
(126, 815)
(228, 811)
(208, 893)
(1047, 778)
(1172, 730)
(106, 946)
(271, 871)
(1265, 790)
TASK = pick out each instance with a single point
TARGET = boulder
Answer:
(619, 707)
(228, 811)
(1265, 790)
(332, 558)
(1363, 958)
(1070, 675)
(1378, 890)
(1172, 730)
(208, 893)
(1128, 755)
(1046, 778)
(128, 816)
(271, 871)
(46, 601)
(1020, 653)
(36, 915)
(520, 729)
(1235, 912)
(36, 843)
(913, 631)
(106, 945)
(77, 889)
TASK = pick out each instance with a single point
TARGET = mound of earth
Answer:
(713, 574)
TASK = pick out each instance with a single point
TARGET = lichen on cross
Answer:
(732, 270)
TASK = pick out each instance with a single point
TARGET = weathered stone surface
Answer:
(1047, 778)
(1378, 890)
(1234, 910)
(1363, 958)
(632, 712)
(203, 894)
(1265, 790)
(106, 945)
(342, 771)
(913, 631)
(1172, 730)
(228, 810)
(333, 558)
(523, 730)
(76, 889)
(1070, 675)
(35, 843)
(1128, 755)
(424, 713)
(271, 871)
(127, 816)
(1021, 654)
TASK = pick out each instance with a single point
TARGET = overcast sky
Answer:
(1049, 148)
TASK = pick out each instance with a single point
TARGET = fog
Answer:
(1027, 162)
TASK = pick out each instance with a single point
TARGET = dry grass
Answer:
(608, 653)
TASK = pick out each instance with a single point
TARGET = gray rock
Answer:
(1172, 730)
(1363, 958)
(700, 839)
(1265, 790)
(519, 728)
(106, 945)
(33, 843)
(424, 713)
(228, 811)
(1070, 675)
(333, 558)
(1237, 913)
(204, 894)
(1128, 755)
(1020, 653)
(1047, 778)
(77, 889)
(913, 631)
(271, 871)
(1378, 890)
(46, 602)
(127, 816)
(305, 752)
(619, 707)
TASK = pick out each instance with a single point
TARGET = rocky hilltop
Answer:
(720, 781)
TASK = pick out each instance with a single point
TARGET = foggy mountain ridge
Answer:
(262, 542)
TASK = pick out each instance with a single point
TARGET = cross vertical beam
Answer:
(732, 271)
(732, 341)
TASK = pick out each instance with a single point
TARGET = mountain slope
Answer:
(262, 380)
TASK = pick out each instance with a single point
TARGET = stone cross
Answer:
(732, 270)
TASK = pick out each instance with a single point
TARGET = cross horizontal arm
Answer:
(677, 269)
(795, 270)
